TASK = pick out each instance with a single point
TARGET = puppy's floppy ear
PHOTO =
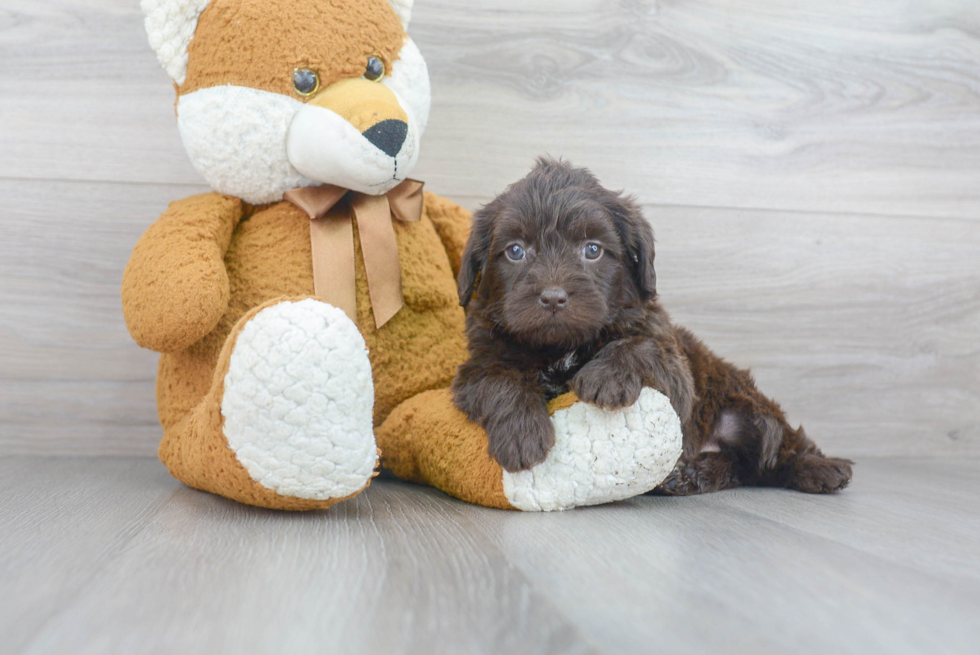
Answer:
(637, 239)
(475, 255)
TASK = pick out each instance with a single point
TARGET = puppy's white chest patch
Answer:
(554, 378)
(564, 364)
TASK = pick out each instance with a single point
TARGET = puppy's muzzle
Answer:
(553, 299)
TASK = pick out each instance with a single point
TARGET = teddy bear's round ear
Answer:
(404, 10)
(170, 26)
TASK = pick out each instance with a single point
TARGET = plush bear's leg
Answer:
(287, 423)
(599, 456)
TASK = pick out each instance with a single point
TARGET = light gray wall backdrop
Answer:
(812, 171)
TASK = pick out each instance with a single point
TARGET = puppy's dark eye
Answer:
(375, 69)
(305, 82)
(592, 251)
(515, 253)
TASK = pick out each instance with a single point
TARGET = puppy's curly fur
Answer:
(561, 292)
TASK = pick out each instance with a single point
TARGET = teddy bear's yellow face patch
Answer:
(249, 43)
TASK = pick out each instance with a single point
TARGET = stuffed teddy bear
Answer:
(306, 310)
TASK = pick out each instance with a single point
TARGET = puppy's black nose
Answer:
(553, 298)
(388, 136)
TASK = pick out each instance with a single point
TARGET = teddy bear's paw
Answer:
(298, 402)
(601, 456)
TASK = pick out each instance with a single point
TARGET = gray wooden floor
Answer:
(114, 556)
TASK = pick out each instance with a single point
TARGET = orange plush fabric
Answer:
(265, 260)
(194, 447)
(257, 43)
(427, 440)
(456, 462)
(175, 288)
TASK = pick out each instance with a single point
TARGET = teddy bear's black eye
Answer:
(515, 253)
(592, 251)
(375, 69)
(305, 82)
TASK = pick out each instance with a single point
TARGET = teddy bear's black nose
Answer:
(388, 136)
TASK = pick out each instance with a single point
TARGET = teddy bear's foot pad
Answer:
(298, 402)
(601, 456)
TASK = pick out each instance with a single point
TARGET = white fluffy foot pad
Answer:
(298, 402)
(601, 456)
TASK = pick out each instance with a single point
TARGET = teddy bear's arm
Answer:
(175, 287)
(452, 223)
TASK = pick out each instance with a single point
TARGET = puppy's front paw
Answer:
(598, 384)
(520, 439)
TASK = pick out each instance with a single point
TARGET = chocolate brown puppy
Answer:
(561, 293)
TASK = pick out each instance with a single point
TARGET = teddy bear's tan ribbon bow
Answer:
(332, 239)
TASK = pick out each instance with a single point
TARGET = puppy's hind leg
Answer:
(747, 446)
(801, 466)
(700, 474)
(784, 457)
(766, 451)
(716, 464)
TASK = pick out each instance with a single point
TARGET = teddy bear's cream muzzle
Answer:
(373, 128)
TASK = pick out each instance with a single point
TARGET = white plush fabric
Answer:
(409, 79)
(325, 147)
(236, 138)
(298, 402)
(404, 10)
(170, 26)
(601, 456)
(350, 160)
